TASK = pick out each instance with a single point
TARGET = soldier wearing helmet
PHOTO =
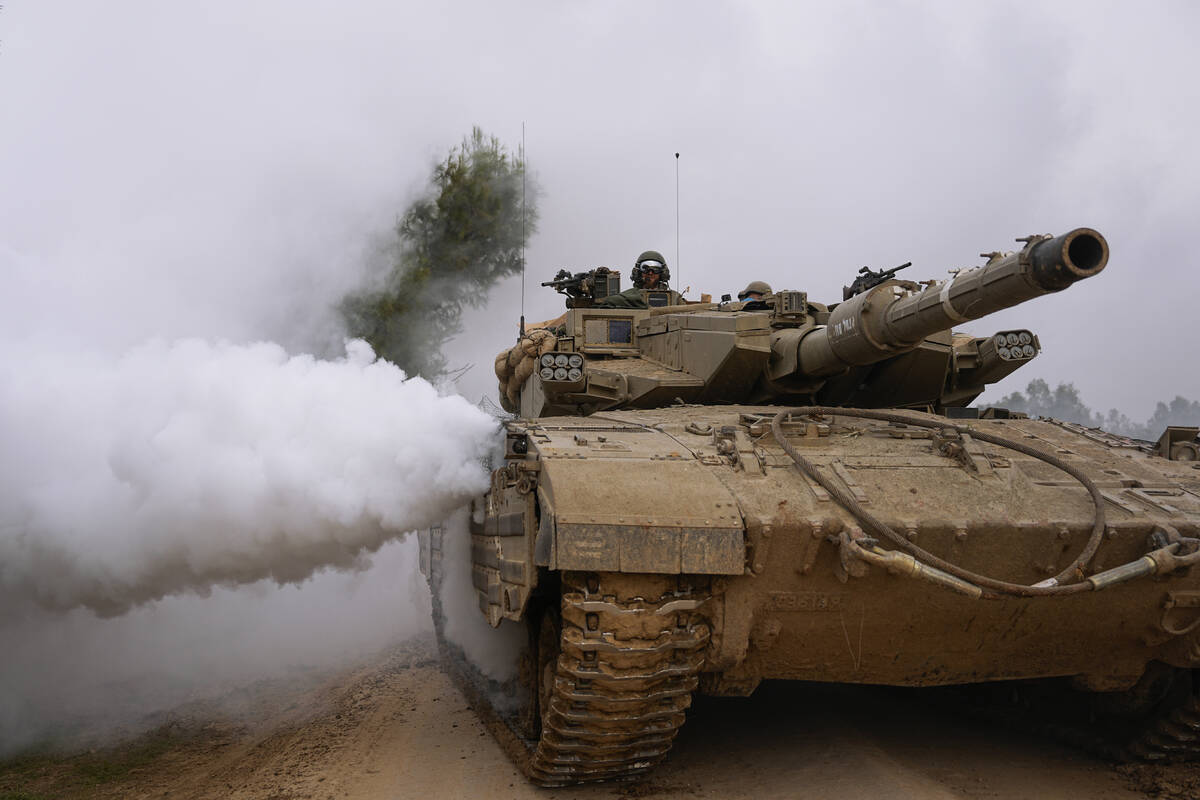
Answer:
(650, 271)
(755, 290)
(753, 296)
(650, 278)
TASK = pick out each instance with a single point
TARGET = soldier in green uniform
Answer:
(650, 273)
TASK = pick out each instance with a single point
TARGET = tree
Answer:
(1063, 402)
(450, 247)
(1180, 411)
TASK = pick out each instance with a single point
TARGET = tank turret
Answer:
(888, 344)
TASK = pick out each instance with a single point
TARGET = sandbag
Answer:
(514, 365)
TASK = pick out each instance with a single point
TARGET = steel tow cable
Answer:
(1056, 586)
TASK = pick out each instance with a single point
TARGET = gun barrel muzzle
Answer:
(1057, 263)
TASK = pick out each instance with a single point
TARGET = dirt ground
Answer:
(397, 728)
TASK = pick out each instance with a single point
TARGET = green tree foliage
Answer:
(451, 246)
(1063, 402)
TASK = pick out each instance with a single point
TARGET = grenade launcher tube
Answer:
(885, 321)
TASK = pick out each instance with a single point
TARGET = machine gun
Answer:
(869, 279)
(584, 288)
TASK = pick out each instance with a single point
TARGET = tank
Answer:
(695, 497)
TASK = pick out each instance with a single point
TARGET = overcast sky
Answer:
(218, 169)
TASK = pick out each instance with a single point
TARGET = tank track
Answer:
(622, 679)
(1167, 733)
(622, 682)
(1174, 737)
(1173, 733)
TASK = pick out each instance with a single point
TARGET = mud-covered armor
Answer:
(696, 498)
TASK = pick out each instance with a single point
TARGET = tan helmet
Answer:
(761, 288)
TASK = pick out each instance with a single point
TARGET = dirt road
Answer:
(396, 728)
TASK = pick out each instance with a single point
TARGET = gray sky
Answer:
(216, 169)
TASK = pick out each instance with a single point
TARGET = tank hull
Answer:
(707, 491)
(887, 630)
(684, 542)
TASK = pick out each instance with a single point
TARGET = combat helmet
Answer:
(650, 257)
(761, 288)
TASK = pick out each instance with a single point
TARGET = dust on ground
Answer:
(396, 727)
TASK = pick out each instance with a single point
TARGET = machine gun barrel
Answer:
(565, 278)
(885, 321)
(869, 278)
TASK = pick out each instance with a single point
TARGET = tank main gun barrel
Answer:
(885, 320)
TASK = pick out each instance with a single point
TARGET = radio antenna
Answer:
(678, 269)
(523, 167)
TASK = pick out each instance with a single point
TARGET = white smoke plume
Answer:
(72, 680)
(182, 466)
(164, 214)
(494, 652)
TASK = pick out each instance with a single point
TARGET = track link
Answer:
(625, 665)
(1173, 736)
(1166, 731)
(622, 681)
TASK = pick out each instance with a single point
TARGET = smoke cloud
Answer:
(192, 516)
(495, 652)
(73, 680)
(182, 466)
(188, 501)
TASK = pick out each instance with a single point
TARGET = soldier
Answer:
(755, 290)
(650, 273)
(753, 296)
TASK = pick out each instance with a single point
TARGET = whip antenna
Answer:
(523, 166)
(678, 271)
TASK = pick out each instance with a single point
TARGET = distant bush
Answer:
(1063, 402)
